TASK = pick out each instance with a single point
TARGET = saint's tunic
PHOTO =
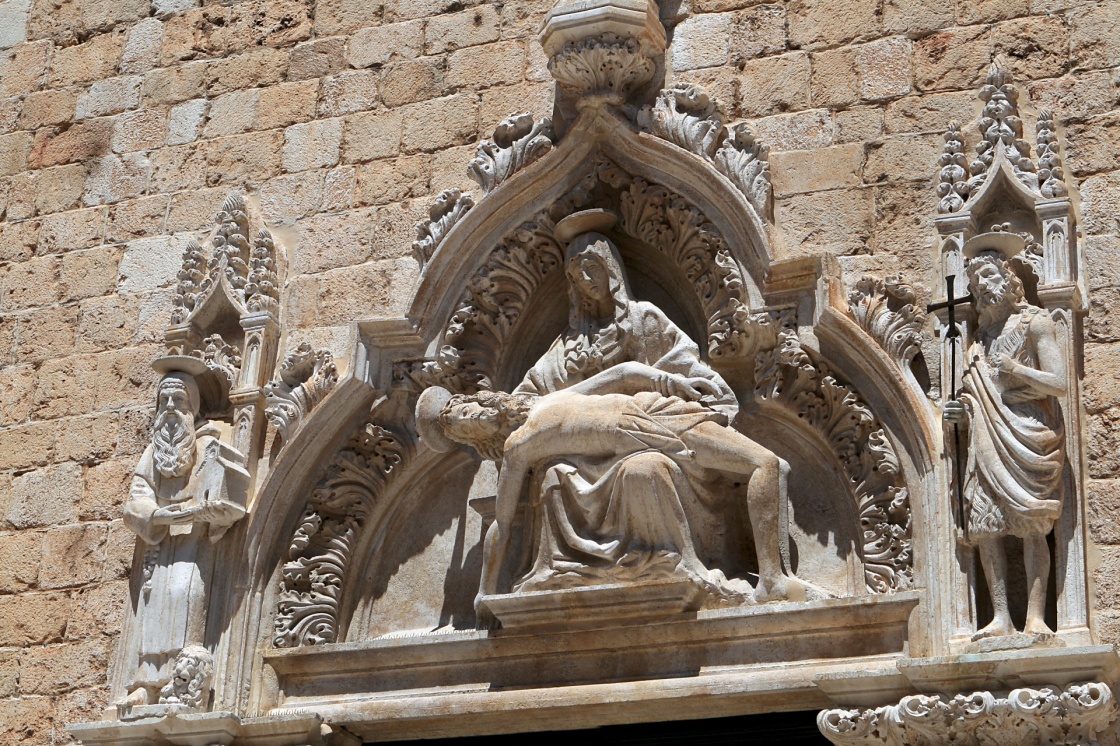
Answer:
(1016, 443)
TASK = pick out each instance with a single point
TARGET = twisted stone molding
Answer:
(787, 376)
(1047, 715)
(305, 377)
(886, 309)
(688, 117)
(322, 546)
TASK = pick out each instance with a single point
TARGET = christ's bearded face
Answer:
(174, 437)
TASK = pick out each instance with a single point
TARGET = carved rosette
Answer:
(306, 376)
(887, 311)
(609, 67)
(320, 551)
(687, 117)
(789, 377)
(518, 141)
(1054, 715)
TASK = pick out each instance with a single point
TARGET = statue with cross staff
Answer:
(1009, 481)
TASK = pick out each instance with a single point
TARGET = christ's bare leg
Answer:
(727, 450)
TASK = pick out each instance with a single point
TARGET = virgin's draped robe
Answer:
(621, 519)
(1016, 448)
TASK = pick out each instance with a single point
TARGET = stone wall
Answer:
(125, 123)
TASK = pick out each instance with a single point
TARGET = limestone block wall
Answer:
(125, 123)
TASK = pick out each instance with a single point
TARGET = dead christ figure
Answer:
(1011, 407)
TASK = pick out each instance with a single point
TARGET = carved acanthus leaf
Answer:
(1050, 173)
(688, 117)
(1075, 714)
(518, 141)
(745, 160)
(448, 209)
(247, 267)
(789, 377)
(1002, 131)
(307, 375)
(886, 309)
(323, 543)
(607, 66)
(952, 177)
(191, 278)
(220, 356)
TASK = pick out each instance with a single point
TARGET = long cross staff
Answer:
(950, 304)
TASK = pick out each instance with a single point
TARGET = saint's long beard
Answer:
(173, 444)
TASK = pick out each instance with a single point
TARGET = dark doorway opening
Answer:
(786, 728)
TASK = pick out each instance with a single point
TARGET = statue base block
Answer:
(595, 606)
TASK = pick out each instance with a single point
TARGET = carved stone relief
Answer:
(323, 544)
(306, 376)
(788, 376)
(1053, 715)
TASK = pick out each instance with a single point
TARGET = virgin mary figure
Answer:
(619, 516)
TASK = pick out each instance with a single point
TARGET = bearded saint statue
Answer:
(171, 510)
(1011, 409)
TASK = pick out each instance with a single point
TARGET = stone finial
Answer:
(1050, 173)
(603, 50)
(1001, 130)
(953, 176)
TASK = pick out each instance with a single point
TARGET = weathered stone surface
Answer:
(62, 388)
(47, 107)
(702, 41)
(348, 92)
(312, 145)
(901, 158)
(806, 130)
(19, 566)
(446, 33)
(97, 610)
(317, 58)
(33, 619)
(140, 130)
(485, 66)
(837, 221)
(371, 135)
(106, 486)
(809, 171)
(343, 16)
(142, 47)
(113, 178)
(109, 96)
(54, 669)
(72, 555)
(393, 180)
(286, 104)
(96, 59)
(758, 31)
(287, 198)
(45, 496)
(1104, 510)
(952, 59)
(775, 84)
(382, 44)
(814, 23)
(1095, 34)
(244, 159)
